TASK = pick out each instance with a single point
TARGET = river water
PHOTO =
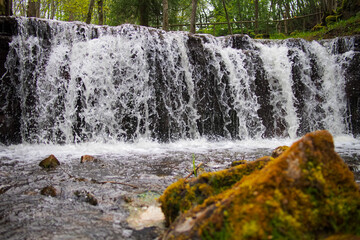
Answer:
(72, 89)
(123, 211)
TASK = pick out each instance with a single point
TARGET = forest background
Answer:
(257, 18)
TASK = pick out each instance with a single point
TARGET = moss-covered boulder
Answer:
(49, 162)
(182, 195)
(308, 192)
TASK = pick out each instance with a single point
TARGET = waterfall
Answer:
(70, 82)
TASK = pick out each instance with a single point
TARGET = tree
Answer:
(256, 4)
(33, 9)
(227, 16)
(144, 12)
(165, 15)
(193, 16)
(6, 7)
(101, 12)
(89, 14)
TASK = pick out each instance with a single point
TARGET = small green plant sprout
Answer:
(194, 166)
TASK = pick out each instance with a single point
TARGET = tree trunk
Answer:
(256, 3)
(33, 8)
(2, 7)
(53, 9)
(101, 12)
(227, 17)
(6, 7)
(193, 17)
(89, 14)
(286, 17)
(165, 15)
(144, 12)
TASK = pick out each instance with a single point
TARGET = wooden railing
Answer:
(280, 24)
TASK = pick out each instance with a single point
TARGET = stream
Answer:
(137, 174)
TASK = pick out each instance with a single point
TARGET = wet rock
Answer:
(4, 188)
(85, 196)
(149, 233)
(146, 217)
(278, 151)
(182, 195)
(48, 191)
(87, 158)
(145, 212)
(49, 162)
(306, 193)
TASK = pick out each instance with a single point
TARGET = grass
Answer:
(194, 166)
(338, 29)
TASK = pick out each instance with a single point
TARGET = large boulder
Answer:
(183, 194)
(308, 192)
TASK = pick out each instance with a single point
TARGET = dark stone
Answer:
(49, 191)
(148, 233)
(85, 196)
(352, 88)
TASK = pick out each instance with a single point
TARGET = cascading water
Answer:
(146, 103)
(74, 82)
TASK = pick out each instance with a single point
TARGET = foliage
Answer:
(340, 28)
(252, 17)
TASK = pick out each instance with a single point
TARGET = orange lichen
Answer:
(307, 192)
(182, 195)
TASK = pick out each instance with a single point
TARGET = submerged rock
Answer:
(308, 192)
(87, 158)
(85, 196)
(145, 211)
(49, 162)
(48, 191)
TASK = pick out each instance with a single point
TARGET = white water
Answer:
(29, 153)
(83, 83)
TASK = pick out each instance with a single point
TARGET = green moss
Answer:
(341, 27)
(182, 195)
(331, 19)
(238, 162)
(306, 193)
(259, 36)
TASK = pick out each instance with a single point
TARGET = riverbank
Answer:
(349, 27)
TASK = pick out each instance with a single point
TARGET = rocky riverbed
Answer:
(114, 197)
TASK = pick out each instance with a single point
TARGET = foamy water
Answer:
(33, 152)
